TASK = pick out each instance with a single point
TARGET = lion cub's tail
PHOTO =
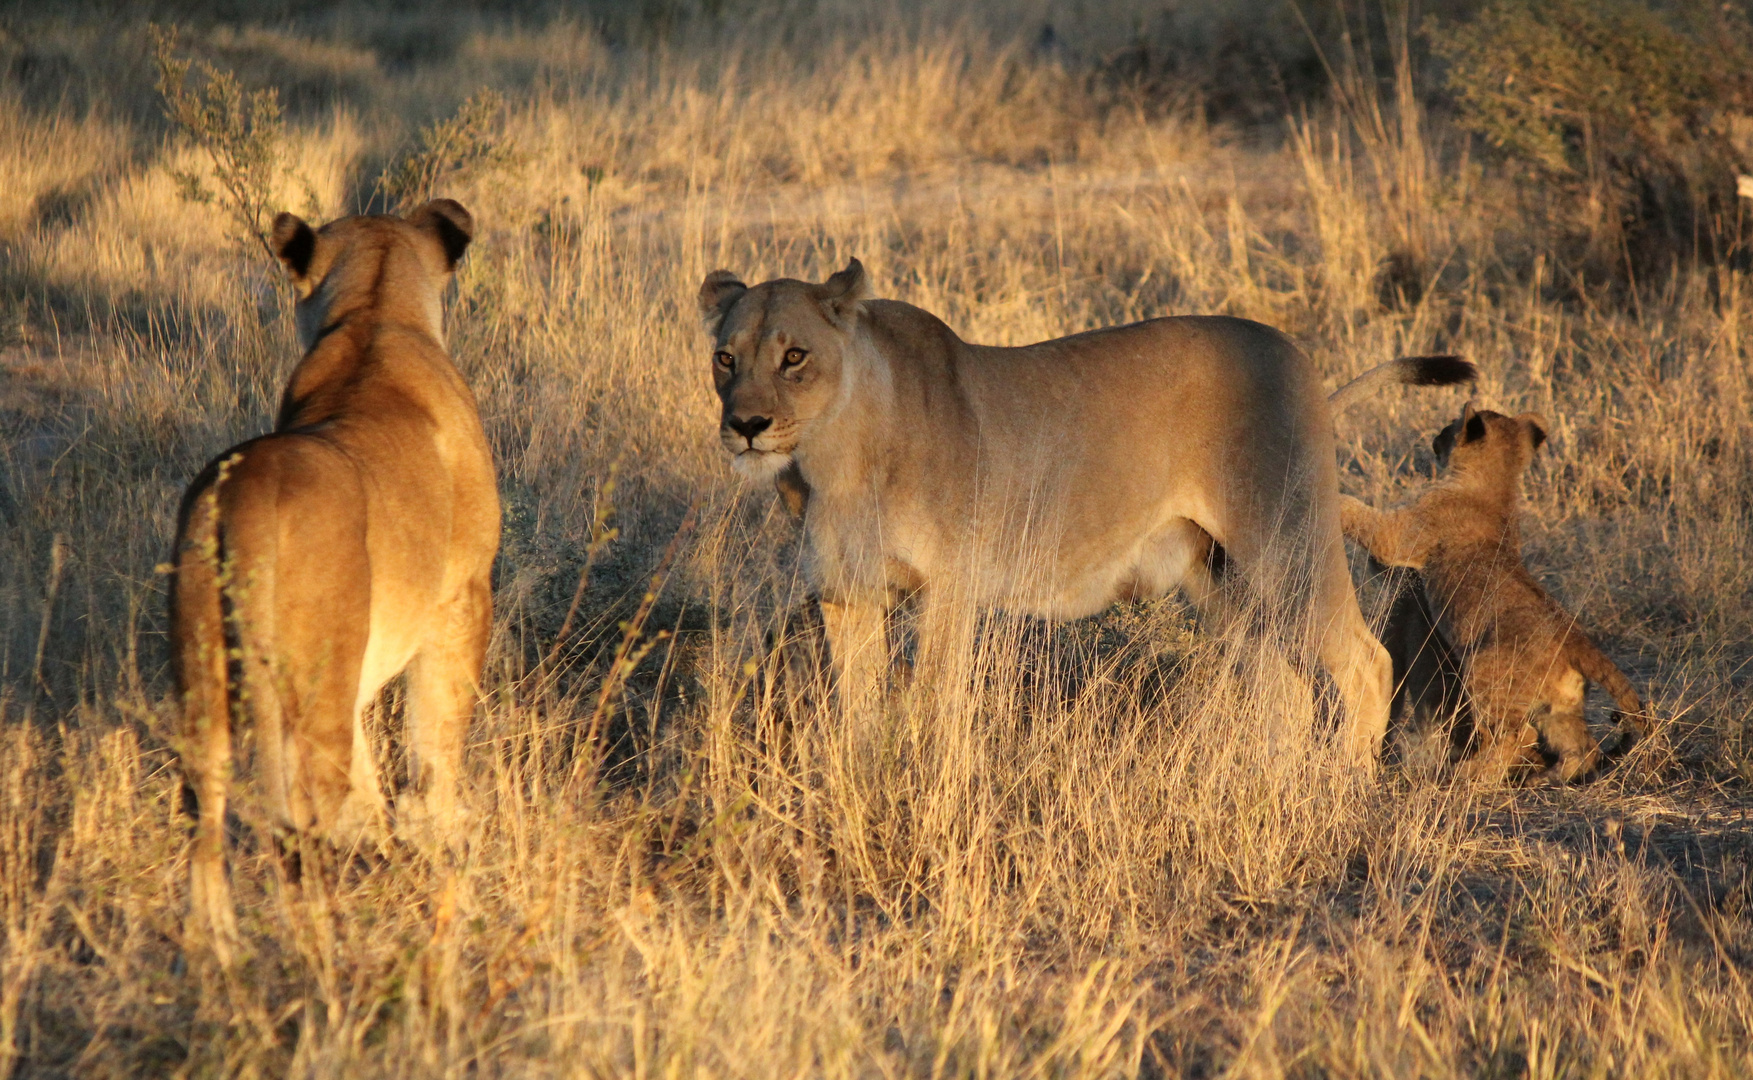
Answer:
(1406, 371)
(1597, 668)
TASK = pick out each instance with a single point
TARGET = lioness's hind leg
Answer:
(443, 685)
(306, 736)
(1185, 557)
(1304, 588)
(302, 670)
(1364, 673)
(1359, 666)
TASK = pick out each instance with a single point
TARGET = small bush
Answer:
(242, 133)
(1618, 110)
(466, 147)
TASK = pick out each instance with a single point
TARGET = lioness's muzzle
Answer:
(749, 427)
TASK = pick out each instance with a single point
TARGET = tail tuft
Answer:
(1438, 370)
(1407, 371)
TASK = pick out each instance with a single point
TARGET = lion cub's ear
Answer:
(294, 242)
(1444, 443)
(1536, 425)
(718, 293)
(446, 220)
(1472, 424)
(844, 294)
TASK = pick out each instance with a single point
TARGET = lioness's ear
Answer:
(718, 292)
(449, 222)
(1536, 425)
(844, 294)
(294, 243)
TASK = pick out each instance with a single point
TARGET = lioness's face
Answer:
(778, 356)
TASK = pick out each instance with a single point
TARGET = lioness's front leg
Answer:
(858, 646)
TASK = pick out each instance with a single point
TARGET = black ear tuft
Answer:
(1536, 425)
(294, 243)
(1444, 443)
(1475, 429)
(718, 293)
(447, 220)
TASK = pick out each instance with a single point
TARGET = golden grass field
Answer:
(1112, 851)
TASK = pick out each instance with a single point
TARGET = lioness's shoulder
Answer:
(902, 329)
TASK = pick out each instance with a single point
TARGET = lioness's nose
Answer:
(749, 427)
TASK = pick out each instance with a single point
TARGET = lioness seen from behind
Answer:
(316, 563)
(1050, 479)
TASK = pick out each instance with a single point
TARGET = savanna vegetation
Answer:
(1117, 847)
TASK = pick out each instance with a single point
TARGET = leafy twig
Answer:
(243, 135)
(467, 146)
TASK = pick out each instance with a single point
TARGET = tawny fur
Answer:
(1525, 664)
(316, 563)
(1050, 479)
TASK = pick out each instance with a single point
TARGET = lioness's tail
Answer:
(1406, 371)
(200, 662)
(1597, 668)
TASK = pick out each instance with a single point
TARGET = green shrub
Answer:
(1619, 111)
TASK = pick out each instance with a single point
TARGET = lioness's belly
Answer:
(1050, 576)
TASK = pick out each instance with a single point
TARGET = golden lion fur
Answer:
(1050, 479)
(354, 542)
(1525, 664)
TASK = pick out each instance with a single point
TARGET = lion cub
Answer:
(355, 541)
(1526, 666)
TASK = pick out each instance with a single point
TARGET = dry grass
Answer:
(1111, 850)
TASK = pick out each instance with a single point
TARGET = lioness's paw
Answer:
(431, 826)
(359, 824)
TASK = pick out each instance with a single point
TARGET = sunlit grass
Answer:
(1108, 848)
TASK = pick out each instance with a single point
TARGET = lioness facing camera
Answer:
(1051, 479)
(316, 563)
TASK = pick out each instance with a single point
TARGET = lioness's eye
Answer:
(793, 357)
(724, 360)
